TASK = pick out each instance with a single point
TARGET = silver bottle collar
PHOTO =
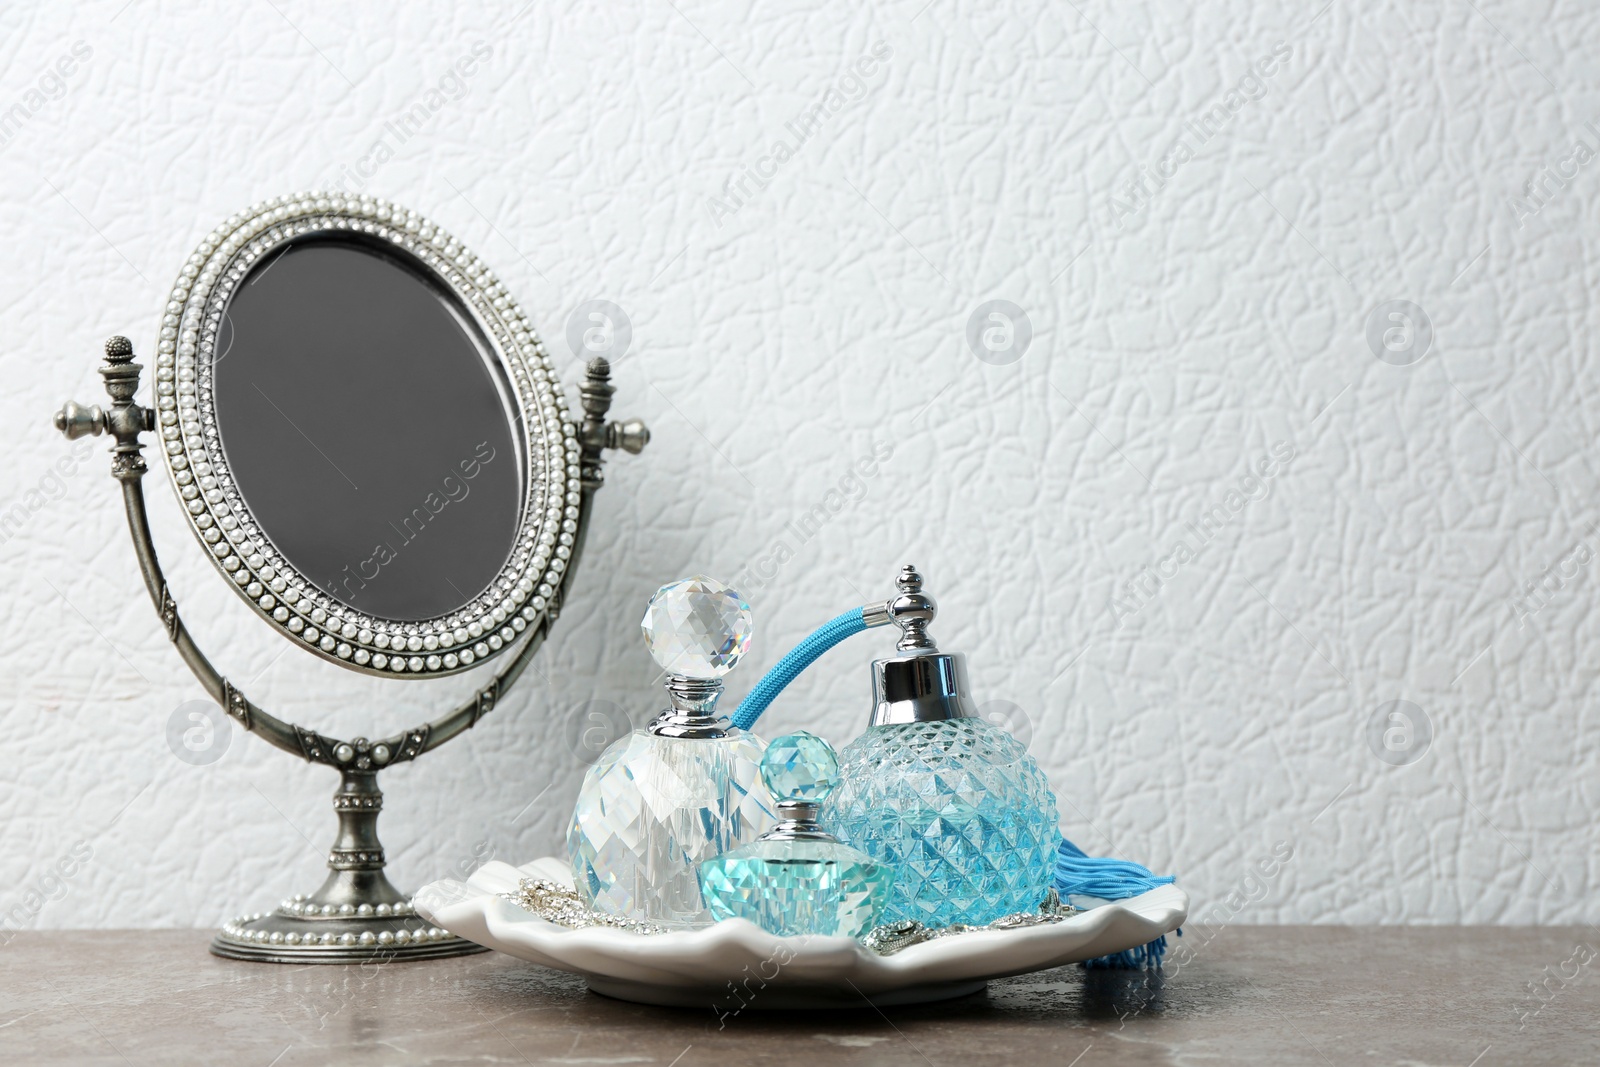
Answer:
(693, 713)
(797, 821)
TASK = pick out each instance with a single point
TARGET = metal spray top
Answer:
(921, 684)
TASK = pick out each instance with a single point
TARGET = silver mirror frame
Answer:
(278, 591)
(357, 913)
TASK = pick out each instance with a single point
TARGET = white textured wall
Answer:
(1181, 337)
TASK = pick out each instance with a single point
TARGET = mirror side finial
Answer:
(630, 436)
(125, 420)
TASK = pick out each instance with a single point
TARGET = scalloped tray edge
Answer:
(735, 964)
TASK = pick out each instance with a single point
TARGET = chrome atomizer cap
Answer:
(921, 684)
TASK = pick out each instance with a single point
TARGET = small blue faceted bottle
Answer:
(954, 804)
(796, 878)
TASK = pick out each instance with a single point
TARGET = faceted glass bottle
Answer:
(953, 803)
(798, 879)
(685, 788)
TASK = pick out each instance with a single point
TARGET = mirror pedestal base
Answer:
(239, 941)
(357, 914)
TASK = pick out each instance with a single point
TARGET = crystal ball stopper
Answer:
(800, 767)
(697, 627)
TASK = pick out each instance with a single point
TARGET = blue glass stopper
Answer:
(800, 766)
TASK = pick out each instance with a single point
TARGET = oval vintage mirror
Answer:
(372, 445)
(365, 432)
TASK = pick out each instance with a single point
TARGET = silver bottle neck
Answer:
(797, 821)
(921, 687)
(693, 713)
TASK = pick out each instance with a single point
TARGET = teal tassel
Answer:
(1110, 879)
(1132, 959)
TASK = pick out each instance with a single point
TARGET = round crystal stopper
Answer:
(800, 766)
(697, 627)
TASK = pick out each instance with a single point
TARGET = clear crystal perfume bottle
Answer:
(797, 878)
(953, 803)
(686, 787)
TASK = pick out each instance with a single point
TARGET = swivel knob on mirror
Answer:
(75, 421)
(596, 390)
(631, 436)
(124, 419)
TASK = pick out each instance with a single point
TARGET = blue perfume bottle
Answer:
(683, 789)
(797, 878)
(953, 803)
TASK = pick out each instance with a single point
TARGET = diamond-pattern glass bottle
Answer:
(796, 878)
(953, 803)
(959, 809)
(685, 788)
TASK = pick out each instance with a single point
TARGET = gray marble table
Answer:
(1273, 995)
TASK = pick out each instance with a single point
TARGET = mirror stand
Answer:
(357, 914)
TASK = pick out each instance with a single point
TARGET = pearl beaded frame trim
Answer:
(279, 592)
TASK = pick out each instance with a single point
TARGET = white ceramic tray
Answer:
(734, 964)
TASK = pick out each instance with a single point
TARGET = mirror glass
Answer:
(369, 427)
(367, 435)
